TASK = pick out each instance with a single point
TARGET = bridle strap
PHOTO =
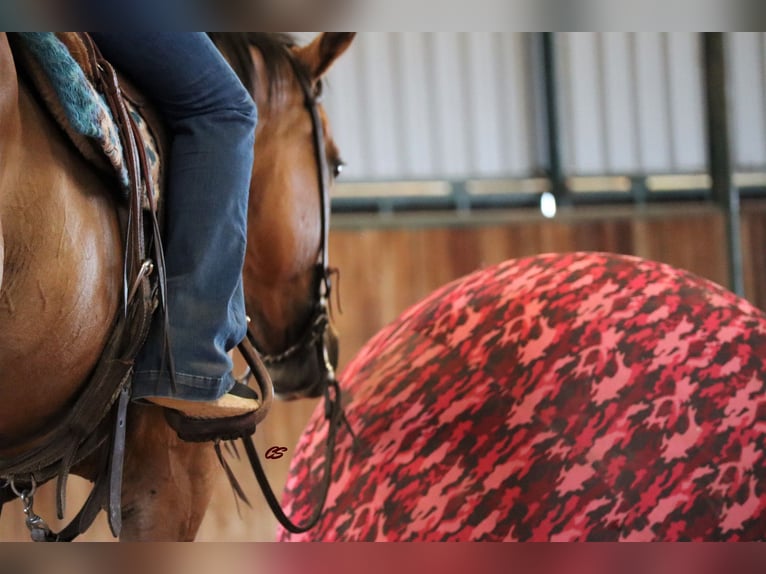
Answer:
(321, 308)
(314, 336)
(320, 153)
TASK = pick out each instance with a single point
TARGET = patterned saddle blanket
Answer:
(60, 71)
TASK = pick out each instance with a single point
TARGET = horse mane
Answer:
(276, 49)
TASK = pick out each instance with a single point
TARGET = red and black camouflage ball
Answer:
(574, 397)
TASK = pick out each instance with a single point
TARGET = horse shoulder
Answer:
(61, 260)
(8, 123)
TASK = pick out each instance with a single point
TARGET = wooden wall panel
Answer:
(385, 269)
(754, 247)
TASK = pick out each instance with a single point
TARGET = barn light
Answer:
(548, 204)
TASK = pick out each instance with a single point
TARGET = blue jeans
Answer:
(212, 120)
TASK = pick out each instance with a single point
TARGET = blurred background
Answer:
(468, 148)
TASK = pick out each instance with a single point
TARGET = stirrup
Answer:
(210, 430)
(194, 429)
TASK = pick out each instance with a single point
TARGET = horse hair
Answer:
(278, 57)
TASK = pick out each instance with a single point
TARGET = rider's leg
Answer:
(212, 120)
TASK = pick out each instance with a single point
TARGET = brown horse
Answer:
(61, 271)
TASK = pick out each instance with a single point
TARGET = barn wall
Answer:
(463, 105)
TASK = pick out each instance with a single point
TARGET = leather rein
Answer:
(313, 336)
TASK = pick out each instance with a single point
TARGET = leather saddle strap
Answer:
(138, 170)
(87, 514)
(116, 460)
(108, 484)
(6, 495)
(159, 254)
(109, 84)
(140, 179)
(80, 523)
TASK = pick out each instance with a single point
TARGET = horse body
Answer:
(8, 97)
(61, 280)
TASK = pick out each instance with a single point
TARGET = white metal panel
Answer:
(345, 106)
(747, 99)
(583, 148)
(381, 117)
(518, 129)
(653, 122)
(686, 102)
(450, 105)
(416, 94)
(621, 143)
(631, 103)
(486, 153)
(467, 105)
(434, 105)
